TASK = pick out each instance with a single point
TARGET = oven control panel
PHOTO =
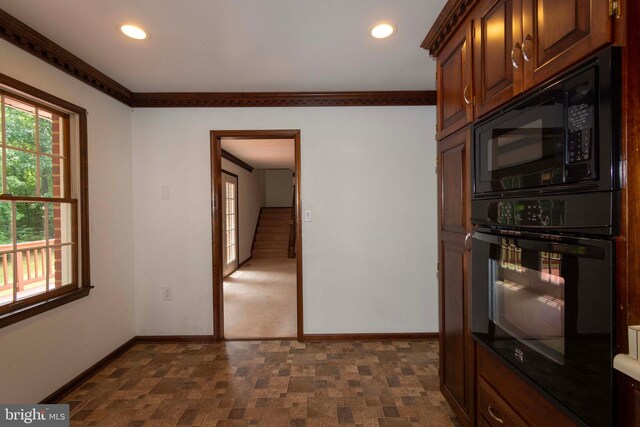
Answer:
(592, 213)
(536, 213)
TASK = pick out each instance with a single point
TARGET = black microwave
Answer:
(559, 138)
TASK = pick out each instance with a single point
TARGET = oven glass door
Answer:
(545, 305)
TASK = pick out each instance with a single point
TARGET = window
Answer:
(550, 268)
(231, 222)
(40, 183)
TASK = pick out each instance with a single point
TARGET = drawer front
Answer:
(494, 375)
(495, 411)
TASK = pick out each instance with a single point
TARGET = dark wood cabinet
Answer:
(628, 401)
(488, 52)
(503, 395)
(455, 82)
(494, 410)
(456, 345)
(558, 33)
(518, 44)
(497, 60)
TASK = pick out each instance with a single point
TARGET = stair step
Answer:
(273, 230)
(272, 234)
(276, 210)
(283, 214)
(274, 222)
(271, 244)
(272, 237)
(269, 253)
(275, 217)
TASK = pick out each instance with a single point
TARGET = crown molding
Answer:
(239, 162)
(21, 35)
(284, 99)
(446, 23)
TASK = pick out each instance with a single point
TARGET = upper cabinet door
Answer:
(455, 91)
(497, 53)
(559, 33)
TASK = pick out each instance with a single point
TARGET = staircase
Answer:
(272, 233)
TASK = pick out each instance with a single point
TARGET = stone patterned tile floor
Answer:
(267, 383)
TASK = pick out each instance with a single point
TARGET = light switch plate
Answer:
(634, 341)
(307, 215)
(165, 191)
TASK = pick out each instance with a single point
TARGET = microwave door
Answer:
(522, 148)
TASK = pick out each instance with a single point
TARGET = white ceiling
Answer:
(243, 45)
(263, 153)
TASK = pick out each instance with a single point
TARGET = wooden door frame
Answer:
(216, 219)
(237, 217)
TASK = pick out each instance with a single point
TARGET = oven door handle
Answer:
(581, 251)
(544, 227)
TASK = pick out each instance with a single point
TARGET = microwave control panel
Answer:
(579, 143)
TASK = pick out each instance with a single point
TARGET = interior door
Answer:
(230, 223)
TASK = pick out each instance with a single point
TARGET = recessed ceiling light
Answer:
(133, 31)
(383, 30)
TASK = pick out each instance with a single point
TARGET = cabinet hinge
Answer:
(437, 163)
(614, 8)
(473, 32)
(474, 101)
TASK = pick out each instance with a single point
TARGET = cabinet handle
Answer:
(524, 47)
(513, 55)
(466, 242)
(464, 95)
(495, 417)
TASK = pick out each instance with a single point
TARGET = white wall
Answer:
(251, 197)
(279, 187)
(369, 254)
(40, 354)
(367, 174)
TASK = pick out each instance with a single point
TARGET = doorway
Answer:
(232, 269)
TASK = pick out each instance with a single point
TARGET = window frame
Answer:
(234, 216)
(78, 173)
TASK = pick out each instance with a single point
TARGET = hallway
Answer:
(260, 299)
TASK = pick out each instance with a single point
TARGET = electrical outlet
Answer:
(167, 294)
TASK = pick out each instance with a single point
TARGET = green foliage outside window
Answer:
(20, 130)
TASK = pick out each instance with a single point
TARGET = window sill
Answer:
(40, 307)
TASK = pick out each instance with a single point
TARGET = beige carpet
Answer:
(260, 300)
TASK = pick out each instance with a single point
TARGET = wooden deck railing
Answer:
(31, 261)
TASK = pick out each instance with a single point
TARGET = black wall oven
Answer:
(545, 209)
(544, 304)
